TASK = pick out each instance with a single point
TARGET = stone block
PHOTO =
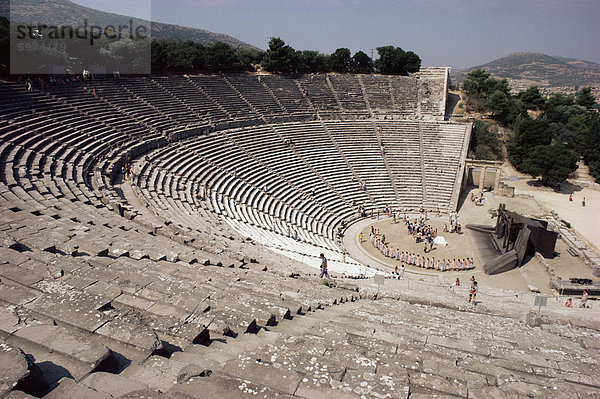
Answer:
(18, 395)
(26, 273)
(265, 372)
(16, 294)
(226, 387)
(69, 389)
(65, 341)
(9, 319)
(142, 338)
(70, 306)
(138, 254)
(11, 256)
(105, 289)
(134, 301)
(13, 367)
(112, 384)
(431, 383)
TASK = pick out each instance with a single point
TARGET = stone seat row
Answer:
(76, 279)
(238, 169)
(376, 349)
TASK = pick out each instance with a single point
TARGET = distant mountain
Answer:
(550, 73)
(65, 12)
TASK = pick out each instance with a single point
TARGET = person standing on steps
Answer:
(324, 267)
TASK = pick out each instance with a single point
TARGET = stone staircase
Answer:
(401, 344)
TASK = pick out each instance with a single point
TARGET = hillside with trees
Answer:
(549, 135)
(551, 74)
(67, 13)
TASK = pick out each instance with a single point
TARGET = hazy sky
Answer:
(456, 33)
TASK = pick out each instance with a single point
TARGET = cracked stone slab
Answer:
(431, 383)
(161, 373)
(8, 255)
(128, 333)
(112, 384)
(69, 389)
(105, 289)
(69, 305)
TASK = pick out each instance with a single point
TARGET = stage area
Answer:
(533, 274)
(397, 236)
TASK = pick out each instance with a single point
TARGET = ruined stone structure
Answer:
(142, 288)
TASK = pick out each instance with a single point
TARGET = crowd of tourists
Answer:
(422, 233)
(41, 84)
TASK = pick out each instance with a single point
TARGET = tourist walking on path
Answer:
(324, 267)
(584, 299)
(473, 292)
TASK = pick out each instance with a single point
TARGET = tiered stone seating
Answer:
(114, 94)
(372, 349)
(105, 300)
(402, 151)
(378, 91)
(193, 97)
(81, 98)
(236, 195)
(296, 178)
(218, 89)
(314, 145)
(239, 164)
(321, 97)
(153, 94)
(404, 91)
(253, 91)
(86, 276)
(349, 92)
(362, 149)
(443, 147)
(288, 94)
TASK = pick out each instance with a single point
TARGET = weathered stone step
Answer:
(14, 367)
(113, 385)
(223, 386)
(67, 342)
(162, 373)
(87, 312)
(69, 389)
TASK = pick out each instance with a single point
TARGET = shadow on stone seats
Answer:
(114, 364)
(42, 377)
(166, 350)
